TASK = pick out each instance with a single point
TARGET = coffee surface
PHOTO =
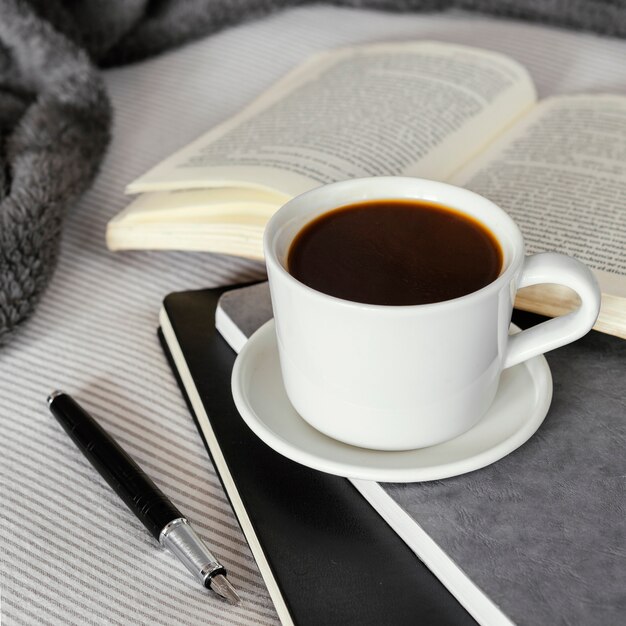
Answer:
(395, 252)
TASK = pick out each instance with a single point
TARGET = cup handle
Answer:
(551, 267)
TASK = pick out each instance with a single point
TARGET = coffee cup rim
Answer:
(512, 256)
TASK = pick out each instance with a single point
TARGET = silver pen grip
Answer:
(181, 539)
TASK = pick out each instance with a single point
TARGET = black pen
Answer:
(153, 508)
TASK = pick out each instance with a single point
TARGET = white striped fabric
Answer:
(71, 552)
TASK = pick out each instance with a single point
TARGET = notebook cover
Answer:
(333, 559)
(542, 531)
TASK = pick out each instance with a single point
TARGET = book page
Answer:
(199, 205)
(561, 174)
(414, 108)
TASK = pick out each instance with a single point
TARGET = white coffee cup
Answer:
(404, 377)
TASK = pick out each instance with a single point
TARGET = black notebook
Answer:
(326, 555)
(538, 536)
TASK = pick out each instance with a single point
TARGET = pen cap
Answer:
(125, 477)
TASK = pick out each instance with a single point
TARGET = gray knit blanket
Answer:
(55, 116)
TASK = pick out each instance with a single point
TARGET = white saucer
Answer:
(520, 407)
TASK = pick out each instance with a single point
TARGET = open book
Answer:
(433, 110)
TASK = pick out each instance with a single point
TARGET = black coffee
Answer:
(395, 252)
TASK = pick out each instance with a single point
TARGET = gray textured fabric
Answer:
(541, 531)
(54, 125)
(55, 115)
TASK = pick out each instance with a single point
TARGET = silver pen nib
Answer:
(219, 583)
